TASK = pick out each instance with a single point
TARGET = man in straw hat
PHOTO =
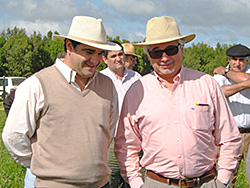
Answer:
(235, 83)
(63, 118)
(130, 55)
(177, 116)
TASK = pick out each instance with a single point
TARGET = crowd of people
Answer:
(73, 126)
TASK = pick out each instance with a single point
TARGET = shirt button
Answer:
(179, 156)
(178, 139)
(175, 122)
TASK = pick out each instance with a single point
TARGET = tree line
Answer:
(23, 55)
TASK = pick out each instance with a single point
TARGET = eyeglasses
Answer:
(170, 50)
(133, 59)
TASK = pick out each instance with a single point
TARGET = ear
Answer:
(69, 46)
(105, 60)
(149, 58)
(182, 49)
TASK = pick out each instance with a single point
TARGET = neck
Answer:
(119, 73)
(81, 82)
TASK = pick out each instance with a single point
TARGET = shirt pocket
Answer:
(200, 117)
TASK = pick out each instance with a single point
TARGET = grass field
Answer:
(12, 174)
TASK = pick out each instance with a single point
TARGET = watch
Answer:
(227, 70)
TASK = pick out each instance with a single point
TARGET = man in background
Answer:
(130, 55)
(123, 79)
(235, 83)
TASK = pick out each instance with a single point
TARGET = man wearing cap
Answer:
(235, 83)
(123, 79)
(177, 116)
(130, 55)
(63, 118)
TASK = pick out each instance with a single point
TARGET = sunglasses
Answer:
(133, 59)
(170, 50)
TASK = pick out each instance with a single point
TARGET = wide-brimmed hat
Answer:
(89, 31)
(163, 29)
(129, 49)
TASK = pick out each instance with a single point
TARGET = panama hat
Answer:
(89, 31)
(163, 29)
(129, 49)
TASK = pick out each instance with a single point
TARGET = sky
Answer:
(213, 21)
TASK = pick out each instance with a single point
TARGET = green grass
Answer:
(241, 181)
(12, 174)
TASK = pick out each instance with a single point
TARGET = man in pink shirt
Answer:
(178, 117)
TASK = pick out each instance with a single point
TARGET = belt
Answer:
(189, 182)
(244, 130)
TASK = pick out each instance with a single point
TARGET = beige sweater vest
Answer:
(73, 133)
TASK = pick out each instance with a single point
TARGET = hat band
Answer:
(163, 37)
(87, 40)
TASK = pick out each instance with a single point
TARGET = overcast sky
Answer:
(213, 21)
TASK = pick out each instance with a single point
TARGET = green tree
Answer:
(53, 46)
(2, 56)
(14, 50)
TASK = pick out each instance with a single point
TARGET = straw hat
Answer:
(129, 49)
(89, 31)
(163, 29)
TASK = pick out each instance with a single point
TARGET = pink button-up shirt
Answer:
(178, 131)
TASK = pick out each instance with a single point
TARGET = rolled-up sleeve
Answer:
(21, 121)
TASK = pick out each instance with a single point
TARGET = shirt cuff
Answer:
(224, 176)
(136, 182)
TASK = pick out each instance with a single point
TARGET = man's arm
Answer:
(114, 112)
(227, 136)
(127, 141)
(21, 121)
(236, 76)
(230, 90)
(241, 79)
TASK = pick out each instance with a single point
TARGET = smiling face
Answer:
(83, 59)
(167, 67)
(238, 63)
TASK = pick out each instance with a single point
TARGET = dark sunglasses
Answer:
(170, 50)
(133, 59)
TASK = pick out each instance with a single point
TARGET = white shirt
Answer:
(123, 85)
(239, 102)
(21, 122)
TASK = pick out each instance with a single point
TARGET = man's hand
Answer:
(220, 70)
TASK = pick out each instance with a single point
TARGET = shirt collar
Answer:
(114, 75)
(177, 79)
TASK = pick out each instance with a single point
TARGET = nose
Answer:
(164, 55)
(118, 58)
(96, 59)
(134, 61)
